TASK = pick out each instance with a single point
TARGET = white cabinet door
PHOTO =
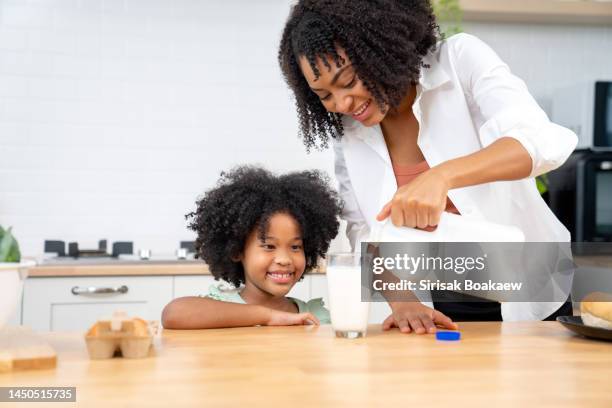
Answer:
(198, 285)
(301, 290)
(15, 320)
(192, 285)
(378, 310)
(318, 288)
(64, 304)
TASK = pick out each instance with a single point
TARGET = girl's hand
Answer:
(419, 203)
(418, 318)
(278, 318)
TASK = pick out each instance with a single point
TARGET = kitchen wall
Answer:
(116, 114)
(548, 56)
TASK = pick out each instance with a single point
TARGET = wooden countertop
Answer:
(495, 364)
(119, 268)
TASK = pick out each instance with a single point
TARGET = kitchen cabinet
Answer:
(301, 290)
(191, 285)
(198, 284)
(49, 303)
(63, 304)
(15, 320)
(318, 288)
(538, 11)
(312, 286)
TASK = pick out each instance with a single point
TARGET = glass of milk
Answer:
(349, 315)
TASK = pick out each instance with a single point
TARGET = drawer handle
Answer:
(92, 290)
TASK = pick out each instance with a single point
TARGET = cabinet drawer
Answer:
(75, 303)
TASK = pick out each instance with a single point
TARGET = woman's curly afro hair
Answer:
(385, 41)
(246, 198)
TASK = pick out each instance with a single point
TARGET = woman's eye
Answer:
(352, 83)
(267, 246)
(296, 247)
(326, 97)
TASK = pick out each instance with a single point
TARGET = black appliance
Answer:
(580, 195)
(59, 248)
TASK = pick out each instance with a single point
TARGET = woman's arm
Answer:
(421, 202)
(504, 159)
(202, 313)
(518, 139)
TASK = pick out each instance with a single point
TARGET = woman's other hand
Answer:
(419, 203)
(415, 317)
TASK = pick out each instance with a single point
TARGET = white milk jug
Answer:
(452, 228)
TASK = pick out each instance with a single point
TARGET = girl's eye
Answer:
(296, 247)
(326, 97)
(267, 246)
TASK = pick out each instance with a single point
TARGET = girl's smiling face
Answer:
(277, 263)
(341, 91)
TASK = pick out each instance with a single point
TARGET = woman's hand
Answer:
(419, 203)
(416, 317)
(278, 318)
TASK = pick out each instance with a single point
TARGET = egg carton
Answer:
(120, 336)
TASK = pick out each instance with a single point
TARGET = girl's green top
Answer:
(228, 293)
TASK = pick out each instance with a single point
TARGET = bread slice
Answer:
(596, 310)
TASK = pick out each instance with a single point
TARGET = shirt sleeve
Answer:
(215, 294)
(357, 227)
(507, 107)
(223, 292)
(317, 308)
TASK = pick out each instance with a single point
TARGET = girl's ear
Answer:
(237, 258)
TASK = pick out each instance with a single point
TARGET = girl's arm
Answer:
(202, 313)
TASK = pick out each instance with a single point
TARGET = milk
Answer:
(349, 315)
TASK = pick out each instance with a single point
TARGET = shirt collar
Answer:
(434, 76)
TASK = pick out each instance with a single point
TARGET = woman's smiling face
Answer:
(341, 91)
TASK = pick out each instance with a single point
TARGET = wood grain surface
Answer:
(495, 364)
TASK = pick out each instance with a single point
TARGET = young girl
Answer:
(259, 233)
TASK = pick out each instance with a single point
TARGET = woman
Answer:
(421, 126)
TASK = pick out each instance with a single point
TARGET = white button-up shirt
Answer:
(465, 101)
